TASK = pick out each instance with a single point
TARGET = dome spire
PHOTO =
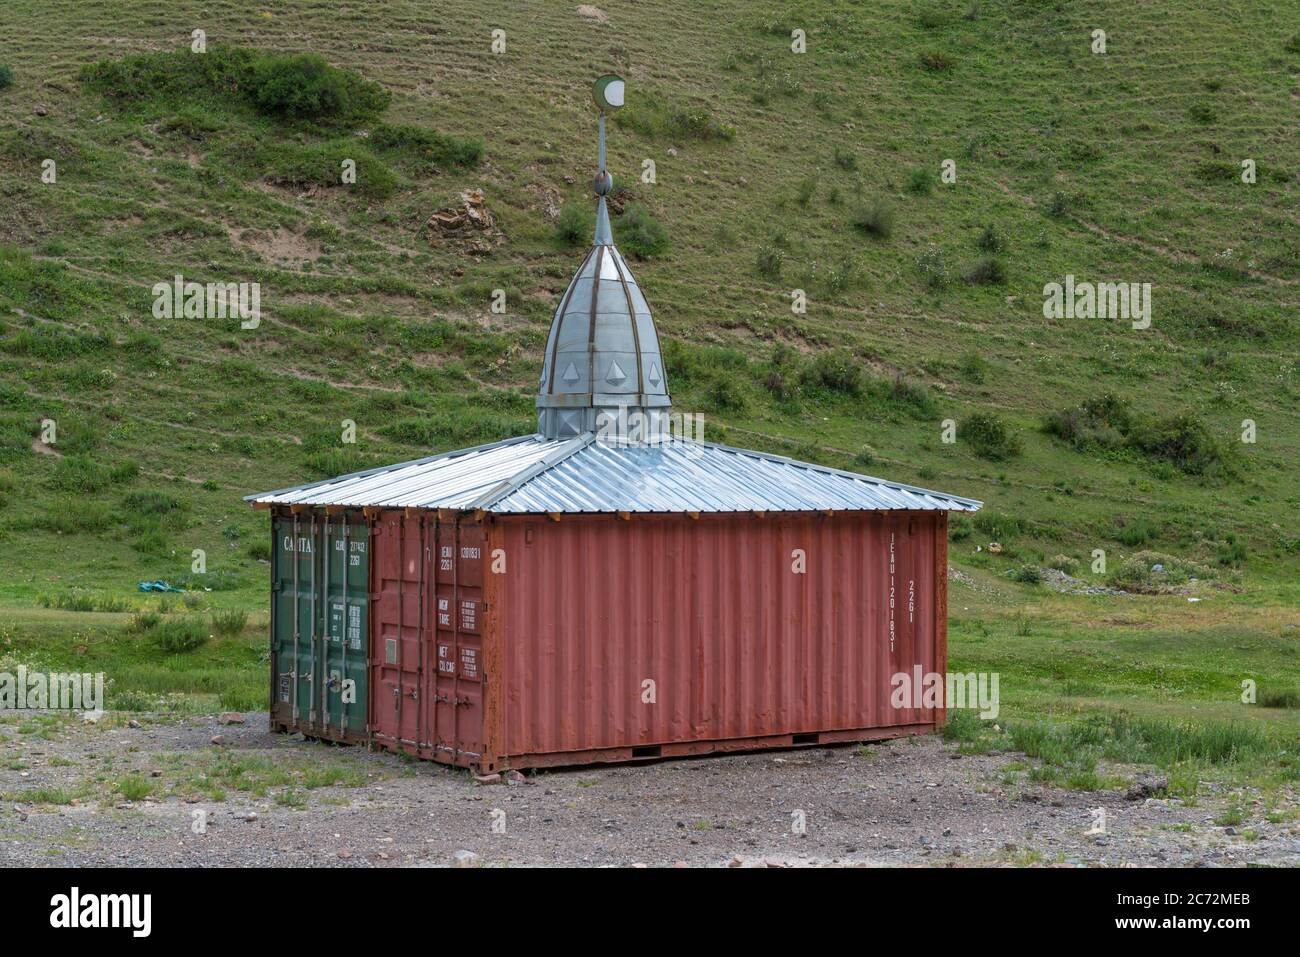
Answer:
(603, 371)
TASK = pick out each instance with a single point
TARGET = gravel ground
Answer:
(908, 802)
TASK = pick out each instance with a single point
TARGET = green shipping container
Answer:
(320, 621)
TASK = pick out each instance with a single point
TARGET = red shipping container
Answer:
(515, 641)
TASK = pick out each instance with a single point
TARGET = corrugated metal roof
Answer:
(533, 474)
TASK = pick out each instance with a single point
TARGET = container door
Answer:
(396, 715)
(342, 672)
(293, 591)
(458, 678)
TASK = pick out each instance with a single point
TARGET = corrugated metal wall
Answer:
(428, 636)
(738, 643)
(320, 622)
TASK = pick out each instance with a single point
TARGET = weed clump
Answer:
(769, 261)
(180, 635)
(935, 62)
(295, 86)
(428, 148)
(229, 623)
(834, 372)
(875, 218)
(652, 116)
(1156, 573)
(639, 233)
(989, 436)
(1107, 423)
(989, 271)
(320, 164)
(920, 181)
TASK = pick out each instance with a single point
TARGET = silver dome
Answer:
(603, 371)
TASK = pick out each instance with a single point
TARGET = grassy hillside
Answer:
(775, 171)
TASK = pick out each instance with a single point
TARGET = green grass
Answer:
(814, 171)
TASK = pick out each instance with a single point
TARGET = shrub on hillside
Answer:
(304, 87)
(1154, 573)
(834, 372)
(6, 76)
(652, 116)
(319, 164)
(935, 61)
(298, 86)
(1101, 423)
(989, 271)
(151, 501)
(191, 122)
(904, 391)
(1183, 441)
(180, 635)
(769, 261)
(229, 623)
(989, 436)
(639, 233)
(933, 267)
(920, 181)
(991, 240)
(574, 226)
(875, 218)
(1107, 423)
(973, 368)
(427, 147)
(73, 514)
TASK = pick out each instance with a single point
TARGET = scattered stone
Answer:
(250, 816)
(133, 723)
(995, 548)
(593, 13)
(1147, 786)
(218, 739)
(230, 717)
(487, 779)
(344, 854)
(456, 221)
(465, 859)
(515, 777)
